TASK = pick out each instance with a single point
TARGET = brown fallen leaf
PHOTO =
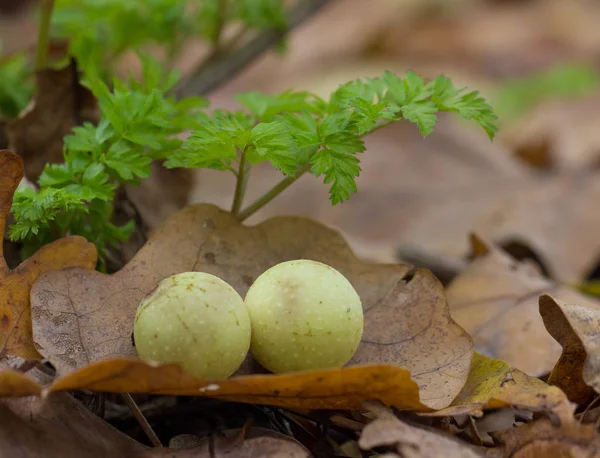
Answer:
(543, 439)
(329, 389)
(344, 388)
(15, 284)
(496, 300)
(156, 198)
(411, 441)
(83, 316)
(575, 326)
(58, 427)
(163, 193)
(267, 445)
(564, 131)
(493, 384)
(60, 103)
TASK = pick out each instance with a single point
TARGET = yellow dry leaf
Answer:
(494, 384)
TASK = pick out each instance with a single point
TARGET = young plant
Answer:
(138, 124)
(141, 121)
(297, 132)
(113, 27)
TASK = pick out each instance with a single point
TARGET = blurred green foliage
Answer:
(100, 31)
(516, 96)
(16, 85)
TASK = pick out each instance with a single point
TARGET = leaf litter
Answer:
(68, 308)
(575, 326)
(15, 284)
(410, 441)
(495, 300)
(57, 427)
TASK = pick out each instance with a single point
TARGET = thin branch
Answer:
(271, 194)
(241, 184)
(139, 416)
(222, 8)
(214, 73)
(283, 185)
(41, 58)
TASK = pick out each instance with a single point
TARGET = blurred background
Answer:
(534, 190)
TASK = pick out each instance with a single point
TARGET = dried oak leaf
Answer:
(344, 388)
(15, 314)
(82, 316)
(496, 300)
(493, 384)
(260, 443)
(58, 427)
(543, 439)
(575, 326)
(60, 104)
(410, 441)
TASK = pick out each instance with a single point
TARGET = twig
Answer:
(222, 8)
(41, 58)
(271, 194)
(139, 416)
(211, 75)
(241, 185)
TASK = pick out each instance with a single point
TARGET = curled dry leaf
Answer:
(17, 384)
(493, 384)
(266, 445)
(60, 103)
(575, 326)
(496, 300)
(411, 441)
(15, 314)
(58, 427)
(83, 316)
(543, 439)
(327, 389)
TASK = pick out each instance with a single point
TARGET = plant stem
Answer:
(240, 185)
(212, 73)
(139, 416)
(283, 185)
(41, 58)
(271, 194)
(221, 18)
